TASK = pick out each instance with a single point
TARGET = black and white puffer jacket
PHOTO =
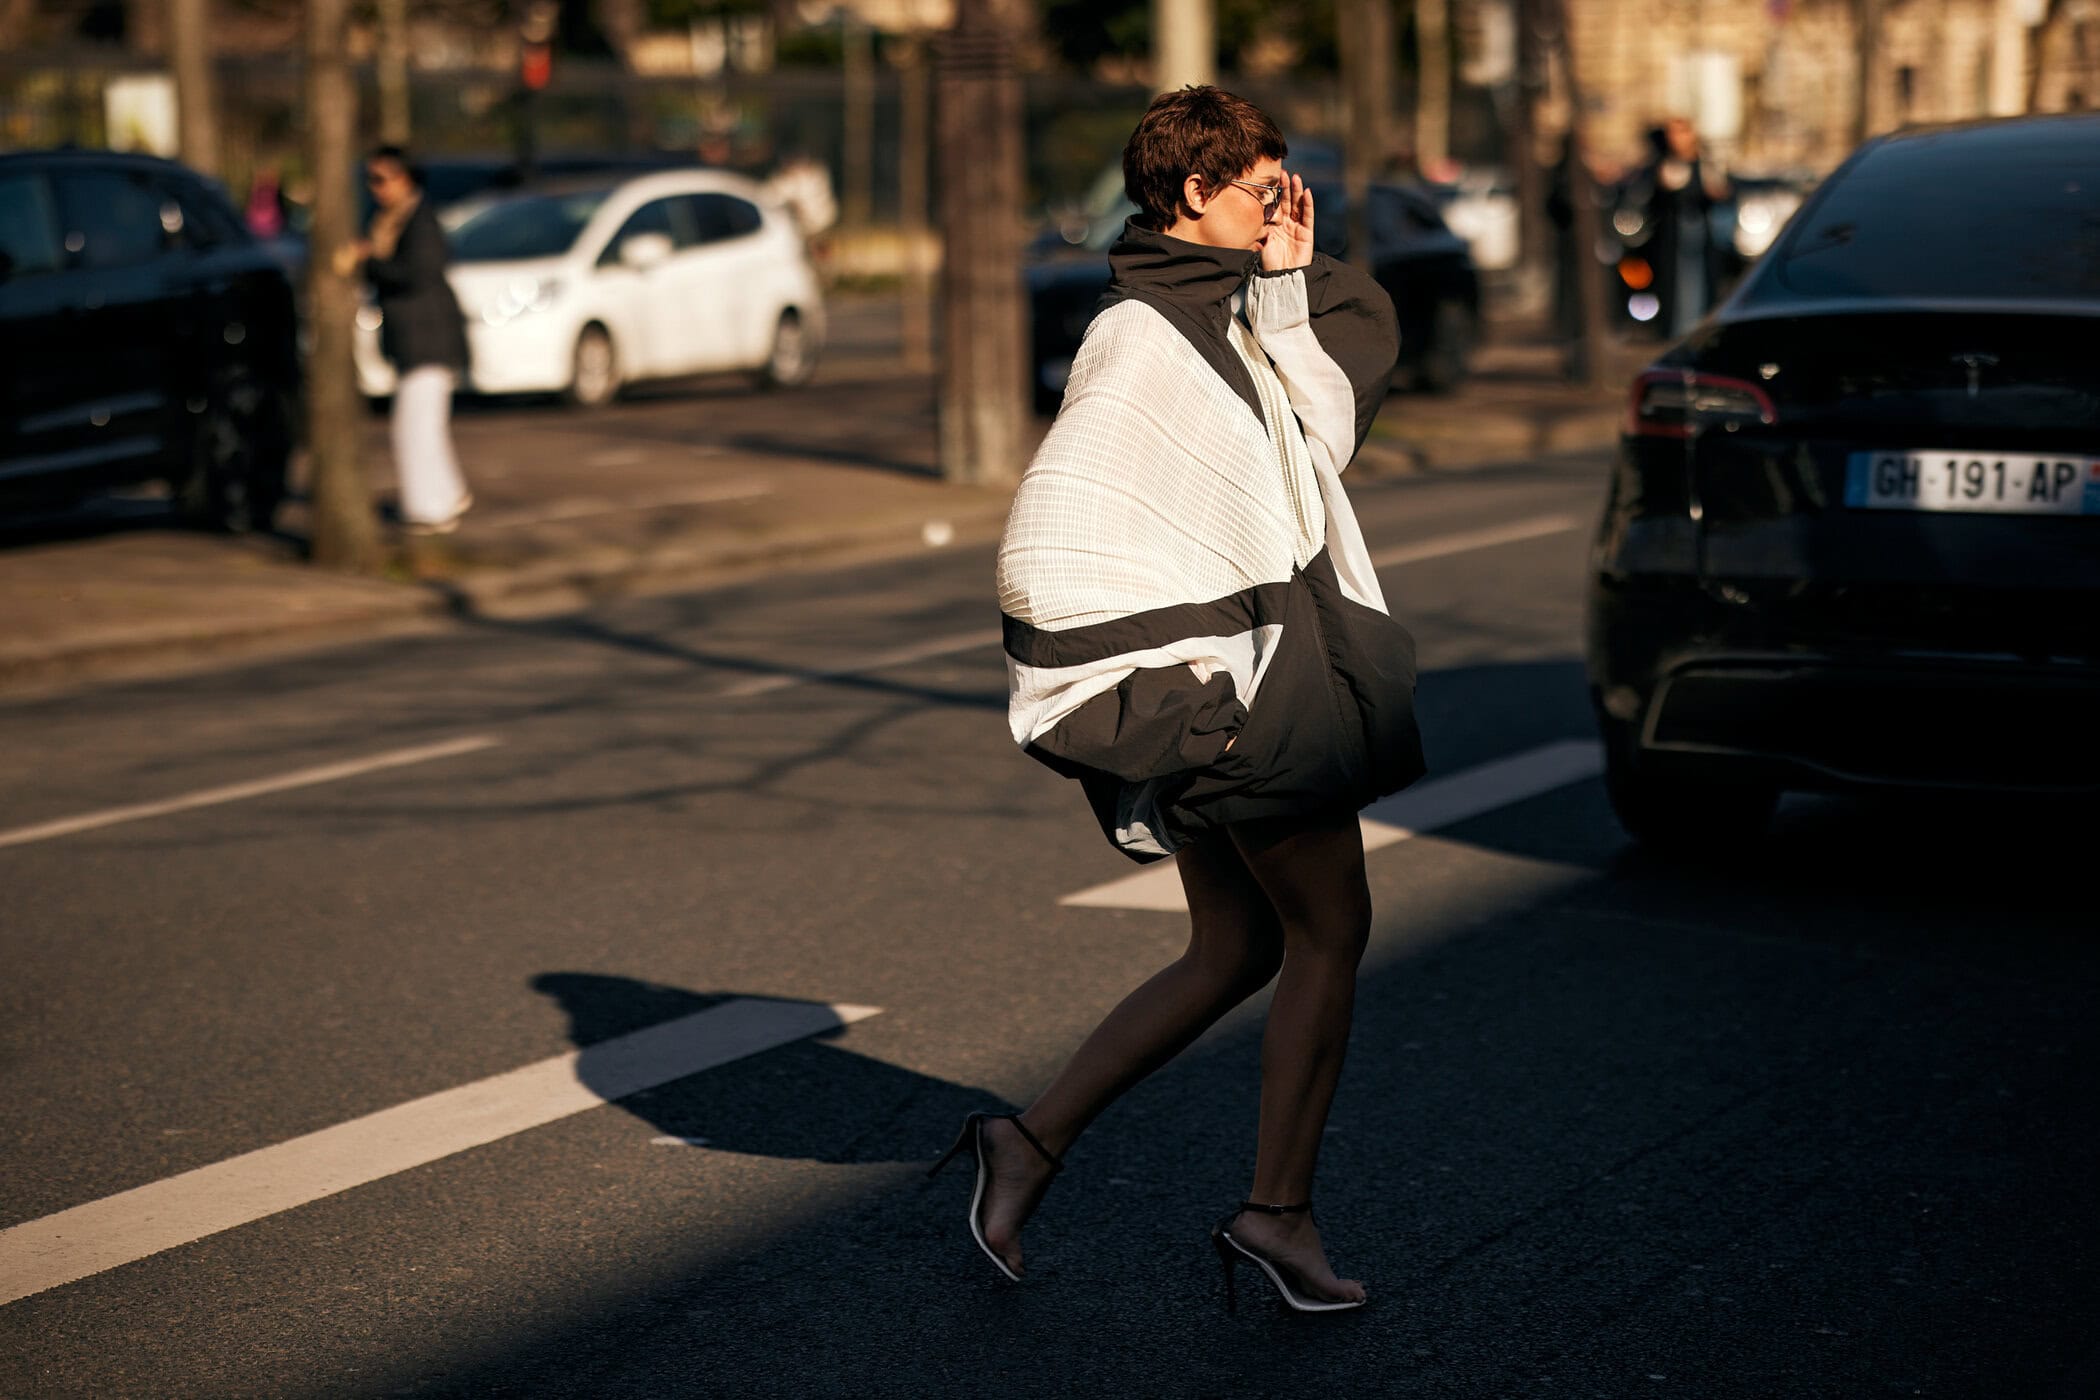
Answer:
(1182, 570)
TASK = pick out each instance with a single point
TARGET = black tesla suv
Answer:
(1853, 536)
(145, 335)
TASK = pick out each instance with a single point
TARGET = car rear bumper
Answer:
(1801, 723)
(1702, 689)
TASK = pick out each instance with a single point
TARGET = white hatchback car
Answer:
(581, 286)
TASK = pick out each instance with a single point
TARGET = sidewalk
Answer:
(677, 487)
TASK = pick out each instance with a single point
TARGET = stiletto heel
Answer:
(972, 1138)
(962, 1141)
(1289, 1284)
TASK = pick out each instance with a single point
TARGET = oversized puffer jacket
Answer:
(1192, 625)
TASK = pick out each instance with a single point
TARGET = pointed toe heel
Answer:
(1289, 1284)
(971, 1140)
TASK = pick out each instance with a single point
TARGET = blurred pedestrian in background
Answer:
(803, 186)
(1195, 632)
(421, 331)
(268, 212)
(1572, 259)
(1677, 193)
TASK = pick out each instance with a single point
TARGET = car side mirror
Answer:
(642, 251)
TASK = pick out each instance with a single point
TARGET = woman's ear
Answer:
(1195, 194)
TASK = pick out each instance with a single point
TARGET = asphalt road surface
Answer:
(298, 957)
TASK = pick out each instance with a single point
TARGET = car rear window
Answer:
(28, 226)
(2006, 213)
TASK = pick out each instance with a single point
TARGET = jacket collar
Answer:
(1194, 276)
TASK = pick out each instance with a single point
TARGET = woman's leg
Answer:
(1313, 875)
(431, 487)
(1235, 947)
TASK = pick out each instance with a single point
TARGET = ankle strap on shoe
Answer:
(1276, 1210)
(1056, 1164)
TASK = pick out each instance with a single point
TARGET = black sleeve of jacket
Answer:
(1158, 722)
(418, 261)
(1358, 328)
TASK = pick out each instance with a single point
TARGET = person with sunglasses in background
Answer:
(1194, 631)
(421, 331)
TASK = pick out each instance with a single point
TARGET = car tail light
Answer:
(1678, 403)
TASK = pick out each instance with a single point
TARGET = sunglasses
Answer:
(1271, 197)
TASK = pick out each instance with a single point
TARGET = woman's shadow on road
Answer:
(803, 1099)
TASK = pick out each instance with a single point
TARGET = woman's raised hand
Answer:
(1290, 241)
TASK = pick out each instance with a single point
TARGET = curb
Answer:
(540, 587)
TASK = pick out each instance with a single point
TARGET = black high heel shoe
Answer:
(1288, 1282)
(972, 1137)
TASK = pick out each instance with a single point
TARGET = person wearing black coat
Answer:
(422, 332)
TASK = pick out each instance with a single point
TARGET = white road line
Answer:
(73, 1244)
(235, 792)
(1429, 804)
(902, 656)
(1517, 531)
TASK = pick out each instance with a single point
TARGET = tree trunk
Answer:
(196, 95)
(396, 124)
(1530, 82)
(1432, 84)
(857, 148)
(344, 534)
(1588, 211)
(983, 370)
(1184, 44)
(2044, 43)
(911, 204)
(1364, 31)
(1866, 48)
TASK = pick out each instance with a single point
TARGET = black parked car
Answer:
(1854, 534)
(144, 335)
(1426, 269)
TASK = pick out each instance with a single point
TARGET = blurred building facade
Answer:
(1780, 83)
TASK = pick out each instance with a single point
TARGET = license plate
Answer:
(2006, 483)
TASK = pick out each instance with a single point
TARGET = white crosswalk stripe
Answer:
(1427, 805)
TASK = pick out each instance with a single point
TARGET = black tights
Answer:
(1284, 900)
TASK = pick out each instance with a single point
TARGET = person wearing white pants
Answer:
(421, 330)
(433, 493)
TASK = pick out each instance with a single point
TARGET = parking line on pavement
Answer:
(88, 1239)
(1516, 532)
(1423, 807)
(260, 787)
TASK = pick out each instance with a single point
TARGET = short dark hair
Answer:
(399, 156)
(1204, 131)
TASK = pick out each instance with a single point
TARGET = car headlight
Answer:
(523, 296)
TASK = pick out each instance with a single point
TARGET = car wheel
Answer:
(594, 370)
(793, 358)
(239, 454)
(1445, 360)
(1677, 816)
